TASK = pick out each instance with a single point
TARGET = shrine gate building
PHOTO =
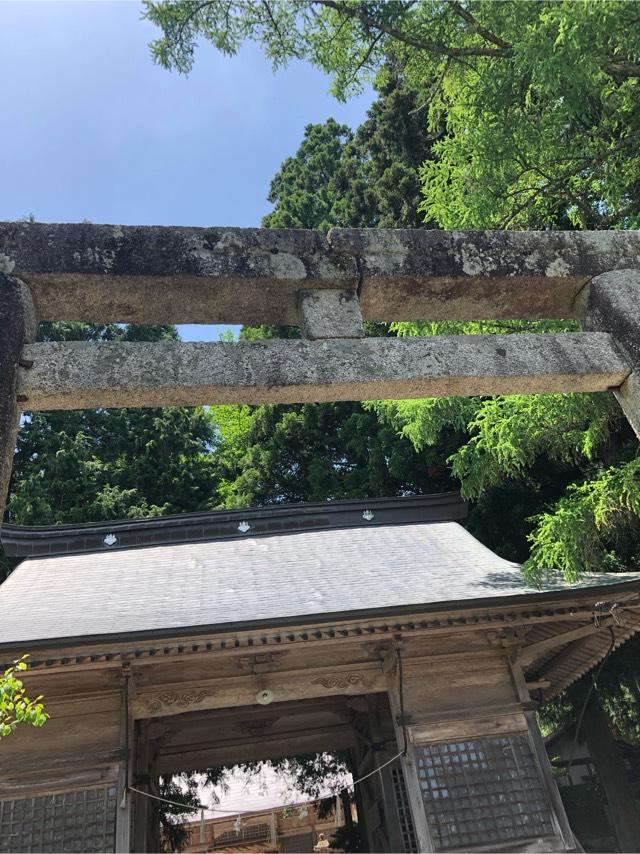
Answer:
(382, 628)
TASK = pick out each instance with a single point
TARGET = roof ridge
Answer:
(22, 541)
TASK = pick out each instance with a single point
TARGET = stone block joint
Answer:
(329, 314)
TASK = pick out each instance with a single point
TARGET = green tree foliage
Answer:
(271, 454)
(181, 794)
(596, 524)
(319, 777)
(537, 103)
(309, 186)
(527, 116)
(90, 465)
(573, 454)
(365, 179)
(313, 452)
(518, 455)
(15, 706)
(182, 791)
(310, 774)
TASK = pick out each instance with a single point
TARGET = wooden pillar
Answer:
(365, 795)
(153, 820)
(540, 753)
(145, 777)
(142, 807)
(387, 834)
(18, 324)
(123, 815)
(355, 757)
(613, 776)
(408, 762)
(124, 808)
(546, 773)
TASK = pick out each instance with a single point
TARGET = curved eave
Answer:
(567, 663)
(443, 618)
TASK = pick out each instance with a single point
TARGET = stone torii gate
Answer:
(326, 285)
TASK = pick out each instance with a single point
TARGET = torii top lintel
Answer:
(158, 274)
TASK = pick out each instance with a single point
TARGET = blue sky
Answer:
(93, 130)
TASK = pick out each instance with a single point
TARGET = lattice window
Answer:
(81, 820)
(301, 843)
(407, 829)
(482, 791)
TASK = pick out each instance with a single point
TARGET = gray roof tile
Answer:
(252, 580)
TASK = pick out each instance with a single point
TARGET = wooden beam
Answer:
(124, 811)
(567, 842)
(149, 274)
(529, 653)
(59, 768)
(83, 375)
(81, 775)
(201, 756)
(436, 624)
(473, 724)
(312, 682)
(546, 673)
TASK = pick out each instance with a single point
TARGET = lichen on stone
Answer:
(7, 264)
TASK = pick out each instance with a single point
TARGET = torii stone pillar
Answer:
(18, 323)
(614, 307)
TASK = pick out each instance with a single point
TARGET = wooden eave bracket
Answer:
(378, 637)
(528, 654)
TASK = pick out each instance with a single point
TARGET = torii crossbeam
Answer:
(325, 284)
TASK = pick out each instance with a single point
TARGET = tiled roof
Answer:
(20, 541)
(265, 580)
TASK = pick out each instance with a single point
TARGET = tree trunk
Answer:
(346, 808)
(613, 776)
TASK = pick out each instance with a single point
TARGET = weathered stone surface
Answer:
(330, 314)
(154, 274)
(76, 375)
(17, 325)
(614, 307)
(470, 275)
(628, 396)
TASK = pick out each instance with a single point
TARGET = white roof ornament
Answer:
(264, 697)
